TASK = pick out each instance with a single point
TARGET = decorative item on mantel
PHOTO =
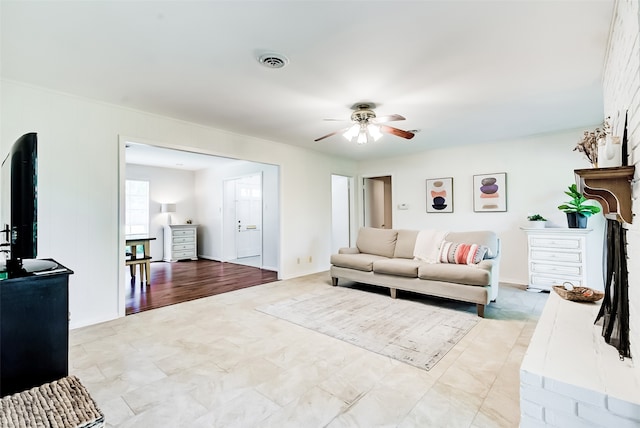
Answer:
(577, 294)
(577, 211)
(609, 147)
(591, 140)
(536, 221)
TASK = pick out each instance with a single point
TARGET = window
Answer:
(136, 207)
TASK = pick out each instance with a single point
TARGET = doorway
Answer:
(377, 202)
(200, 199)
(243, 220)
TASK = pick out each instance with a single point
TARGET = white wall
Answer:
(539, 169)
(79, 187)
(209, 188)
(166, 186)
(622, 92)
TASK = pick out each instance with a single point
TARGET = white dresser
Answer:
(180, 242)
(557, 255)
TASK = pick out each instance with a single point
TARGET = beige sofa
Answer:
(387, 258)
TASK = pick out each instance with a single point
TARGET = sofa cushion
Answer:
(454, 252)
(405, 244)
(356, 261)
(461, 274)
(380, 242)
(348, 250)
(481, 237)
(401, 267)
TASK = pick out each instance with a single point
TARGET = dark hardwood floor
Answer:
(182, 281)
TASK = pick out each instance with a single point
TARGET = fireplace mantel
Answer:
(570, 377)
(609, 186)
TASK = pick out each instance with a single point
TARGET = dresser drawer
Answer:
(564, 269)
(183, 254)
(568, 256)
(548, 242)
(183, 232)
(548, 281)
(183, 239)
(182, 247)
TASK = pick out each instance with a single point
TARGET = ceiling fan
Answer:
(367, 126)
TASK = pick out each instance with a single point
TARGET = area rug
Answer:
(414, 332)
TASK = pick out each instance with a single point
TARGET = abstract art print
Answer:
(440, 195)
(490, 192)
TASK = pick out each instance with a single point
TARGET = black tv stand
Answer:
(34, 329)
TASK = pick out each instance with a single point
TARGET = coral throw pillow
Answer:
(453, 252)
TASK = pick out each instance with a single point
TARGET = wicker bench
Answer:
(64, 403)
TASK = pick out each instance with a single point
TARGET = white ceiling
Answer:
(460, 71)
(148, 155)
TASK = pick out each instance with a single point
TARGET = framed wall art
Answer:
(440, 195)
(490, 192)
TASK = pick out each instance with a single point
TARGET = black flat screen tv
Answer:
(20, 199)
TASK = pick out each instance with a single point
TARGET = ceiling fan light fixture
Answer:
(362, 137)
(366, 128)
(374, 131)
(352, 132)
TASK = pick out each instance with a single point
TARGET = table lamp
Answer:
(168, 208)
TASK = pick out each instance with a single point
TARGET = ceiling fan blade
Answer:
(390, 118)
(397, 132)
(331, 134)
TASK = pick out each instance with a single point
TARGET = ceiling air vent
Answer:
(273, 60)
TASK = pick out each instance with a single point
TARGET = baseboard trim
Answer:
(209, 258)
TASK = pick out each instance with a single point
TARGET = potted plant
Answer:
(577, 211)
(536, 221)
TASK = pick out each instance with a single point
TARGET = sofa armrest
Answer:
(350, 250)
(486, 264)
(495, 271)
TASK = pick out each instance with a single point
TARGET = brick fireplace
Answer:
(570, 377)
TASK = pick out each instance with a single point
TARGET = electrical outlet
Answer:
(298, 260)
(310, 259)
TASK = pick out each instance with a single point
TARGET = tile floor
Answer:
(217, 362)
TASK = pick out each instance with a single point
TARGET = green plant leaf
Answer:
(578, 203)
(536, 217)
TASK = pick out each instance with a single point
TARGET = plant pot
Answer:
(537, 224)
(577, 221)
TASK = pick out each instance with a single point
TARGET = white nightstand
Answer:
(180, 242)
(557, 255)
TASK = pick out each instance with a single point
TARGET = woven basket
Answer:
(579, 294)
(63, 403)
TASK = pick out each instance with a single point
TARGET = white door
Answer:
(242, 220)
(340, 212)
(248, 216)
